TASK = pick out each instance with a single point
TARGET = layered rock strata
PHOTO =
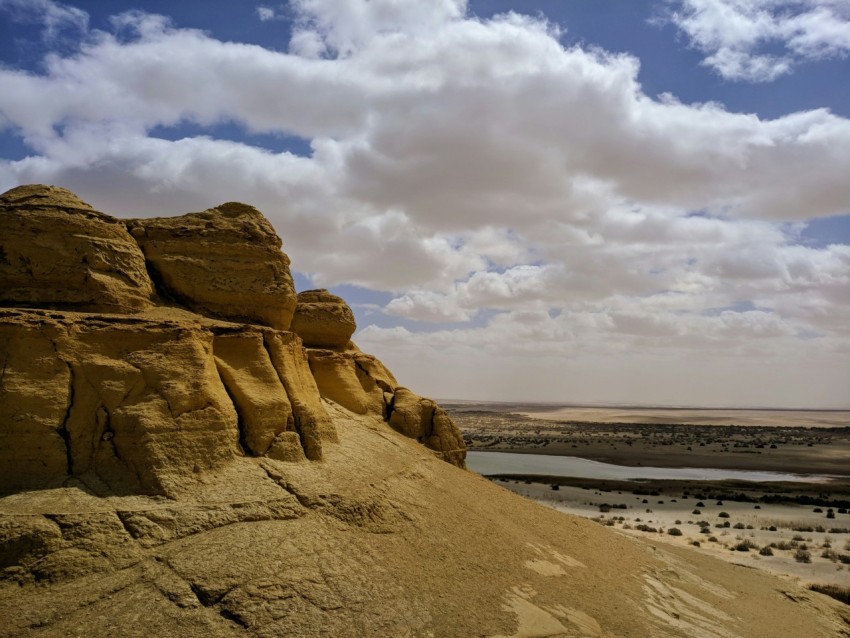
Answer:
(127, 396)
(323, 320)
(56, 251)
(225, 262)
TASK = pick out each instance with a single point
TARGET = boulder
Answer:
(56, 251)
(323, 320)
(225, 262)
(422, 419)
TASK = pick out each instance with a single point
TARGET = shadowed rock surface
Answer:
(168, 472)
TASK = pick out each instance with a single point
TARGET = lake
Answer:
(489, 463)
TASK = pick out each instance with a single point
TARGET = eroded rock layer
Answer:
(225, 262)
(323, 320)
(56, 251)
(142, 396)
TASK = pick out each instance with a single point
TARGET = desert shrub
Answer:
(772, 528)
(750, 527)
(745, 546)
(844, 559)
(678, 522)
(797, 537)
(674, 531)
(700, 504)
(830, 513)
(818, 510)
(739, 526)
(694, 543)
(842, 510)
(645, 528)
(556, 487)
(839, 530)
(766, 551)
(712, 539)
(803, 528)
(835, 591)
(802, 556)
(696, 512)
(605, 508)
(724, 515)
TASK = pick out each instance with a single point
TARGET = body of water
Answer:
(489, 463)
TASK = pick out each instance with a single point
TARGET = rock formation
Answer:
(323, 320)
(137, 399)
(225, 262)
(58, 252)
(174, 462)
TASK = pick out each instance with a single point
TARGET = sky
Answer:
(641, 202)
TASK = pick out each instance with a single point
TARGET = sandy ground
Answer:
(814, 449)
(674, 511)
(691, 416)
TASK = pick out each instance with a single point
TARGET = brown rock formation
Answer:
(225, 262)
(323, 320)
(58, 252)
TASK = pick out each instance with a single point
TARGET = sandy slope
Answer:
(380, 539)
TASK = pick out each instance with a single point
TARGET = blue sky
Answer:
(636, 201)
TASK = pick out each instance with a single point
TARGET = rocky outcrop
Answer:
(58, 252)
(126, 406)
(422, 419)
(323, 320)
(133, 397)
(225, 262)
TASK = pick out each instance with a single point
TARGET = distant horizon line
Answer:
(641, 406)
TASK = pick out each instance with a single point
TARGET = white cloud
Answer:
(56, 18)
(737, 35)
(477, 170)
(265, 13)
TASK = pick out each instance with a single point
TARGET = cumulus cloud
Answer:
(740, 37)
(478, 170)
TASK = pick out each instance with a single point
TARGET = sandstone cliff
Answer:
(189, 364)
(175, 462)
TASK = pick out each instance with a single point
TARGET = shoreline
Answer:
(838, 468)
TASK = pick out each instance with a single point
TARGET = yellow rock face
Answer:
(58, 252)
(255, 388)
(323, 320)
(225, 262)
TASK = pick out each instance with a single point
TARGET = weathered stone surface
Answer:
(225, 262)
(337, 378)
(58, 252)
(35, 387)
(137, 406)
(311, 420)
(323, 320)
(255, 388)
(421, 419)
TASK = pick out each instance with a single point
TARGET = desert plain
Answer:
(791, 520)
